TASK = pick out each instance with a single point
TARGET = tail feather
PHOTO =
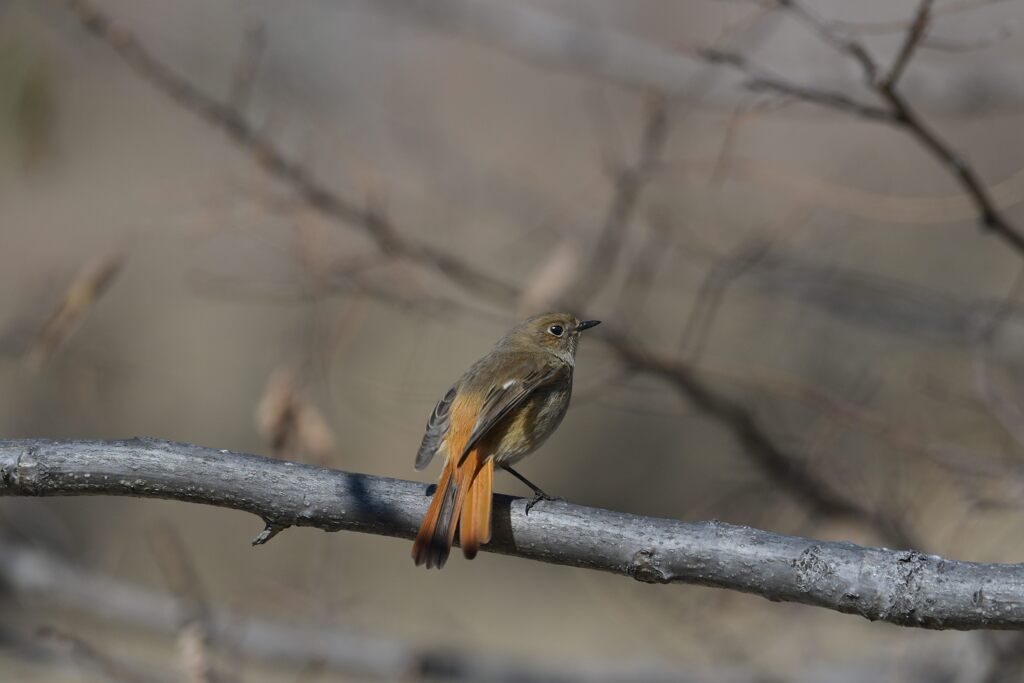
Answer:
(475, 525)
(462, 500)
(433, 541)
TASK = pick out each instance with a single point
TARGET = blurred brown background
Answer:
(821, 270)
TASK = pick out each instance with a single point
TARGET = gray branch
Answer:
(901, 587)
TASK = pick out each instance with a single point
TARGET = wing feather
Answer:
(437, 429)
(508, 393)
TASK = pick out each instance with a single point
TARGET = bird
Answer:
(501, 410)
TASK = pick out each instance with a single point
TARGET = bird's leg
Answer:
(538, 493)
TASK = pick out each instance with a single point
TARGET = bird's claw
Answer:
(538, 497)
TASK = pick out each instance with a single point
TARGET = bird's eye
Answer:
(556, 330)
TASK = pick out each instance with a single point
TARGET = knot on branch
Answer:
(646, 567)
(7, 472)
(19, 472)
(812, 570)
(905, 575)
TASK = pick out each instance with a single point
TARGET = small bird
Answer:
(505, 406)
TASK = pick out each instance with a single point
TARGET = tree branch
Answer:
(900, 587)
(911, 40)
(903, 116)
(633, 62)
(291, 172)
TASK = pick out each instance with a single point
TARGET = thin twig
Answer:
(763, 80)
(911, 41)
(899, 111)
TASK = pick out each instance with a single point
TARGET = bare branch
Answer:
(791, 473)
(900, 587)
(629, 61)
(911, 41)
(901, 114)
(991, 217)
(763, 80)
(292, 173)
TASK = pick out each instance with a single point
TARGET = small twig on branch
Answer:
(900, 587)
(762, 80)
(911, 41)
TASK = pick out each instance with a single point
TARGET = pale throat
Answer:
(568, 354)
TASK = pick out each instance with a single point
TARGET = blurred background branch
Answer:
(54, 582)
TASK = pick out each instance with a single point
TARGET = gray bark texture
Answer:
(898, 586)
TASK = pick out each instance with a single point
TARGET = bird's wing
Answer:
(511, 388)
(437, 428)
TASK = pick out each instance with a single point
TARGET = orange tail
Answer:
(475, 524)
(434, 541)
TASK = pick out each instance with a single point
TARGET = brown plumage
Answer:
(505, 406)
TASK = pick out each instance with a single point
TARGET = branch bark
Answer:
(900, 587)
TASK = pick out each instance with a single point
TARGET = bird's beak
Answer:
(587, 324)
